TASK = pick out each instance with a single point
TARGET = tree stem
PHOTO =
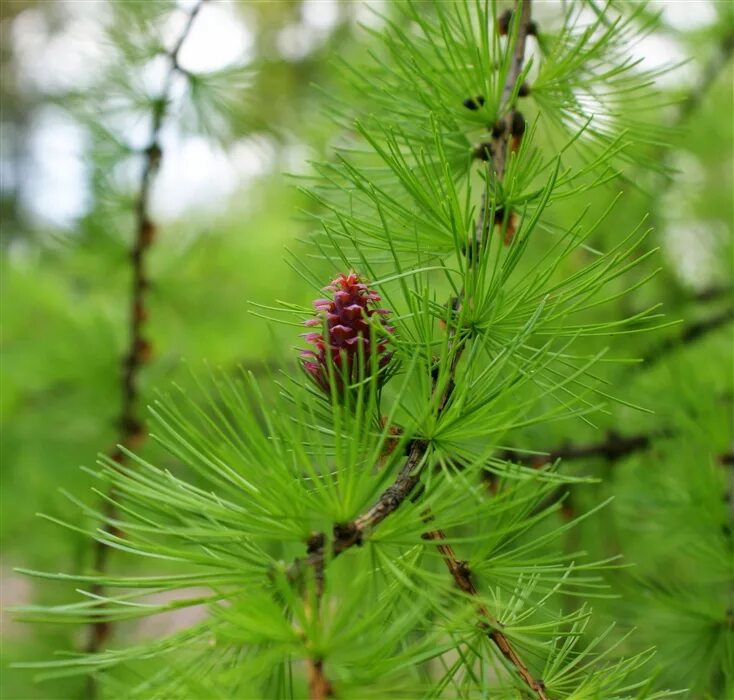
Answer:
(461, 574)
(345, 536)
(139, 348)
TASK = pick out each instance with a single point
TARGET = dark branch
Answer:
(319, 687)
(712, 293)
(710, 73)
(688, 334)
(461, 574)
(132, 431)
(345, 536)
(615, 447)
(501, 141)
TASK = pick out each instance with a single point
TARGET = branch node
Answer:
(315, 542)
(347, 532)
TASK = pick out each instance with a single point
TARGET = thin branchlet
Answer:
(132, 431)
(493, 154)
(690, 333)
(345, 536)
(319, 686)
(461, 574)
(500, 145)
(612, 448)
(501, 142)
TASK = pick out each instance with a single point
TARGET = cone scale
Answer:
(346, 335)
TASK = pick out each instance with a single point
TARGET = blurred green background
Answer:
(78, 81)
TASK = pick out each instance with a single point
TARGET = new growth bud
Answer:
(347, 318)
(483, 151)
(517, 130)
(474, 103)
(504, 21)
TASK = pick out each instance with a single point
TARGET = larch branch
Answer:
(319, 687)
(614, 447)
(345, 536)
(690, 333)
(139, 348)
(461, 574)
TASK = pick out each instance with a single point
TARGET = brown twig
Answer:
(712, 293)
(501, 141)
(614, 447)
(688, 334)
(712, 70)
(461, 574)
(500, 144)
(459, 570)
(347, 535)
(139, 348)
(319, 687)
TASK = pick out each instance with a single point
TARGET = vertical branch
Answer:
(710, 73)
(461, 574)
(319, 687)
(501, 137)
(347, 535)
(727, 463)
(497, 157)
(139, 349)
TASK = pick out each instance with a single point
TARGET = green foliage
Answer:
(517, 298)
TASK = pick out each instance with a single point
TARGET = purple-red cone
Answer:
(348, 323)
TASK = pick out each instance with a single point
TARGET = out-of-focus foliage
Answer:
(65, 290)
(65, 287)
